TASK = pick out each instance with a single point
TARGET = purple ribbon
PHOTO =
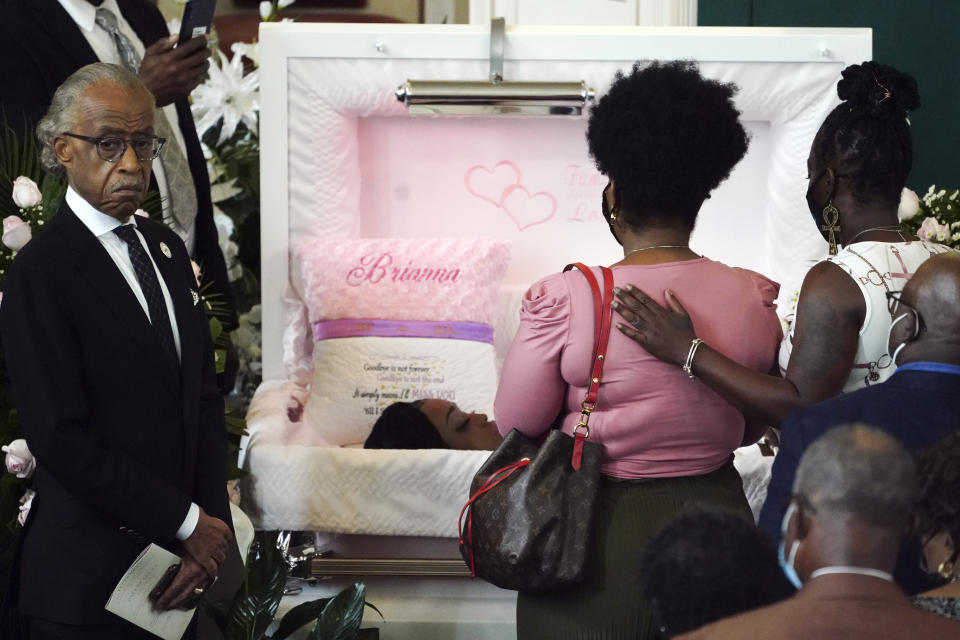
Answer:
(362, 327)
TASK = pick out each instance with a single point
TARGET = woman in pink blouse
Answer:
(665, 137)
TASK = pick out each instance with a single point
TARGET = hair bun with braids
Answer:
(878, 89)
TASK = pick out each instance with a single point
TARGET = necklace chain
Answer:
(896, 228)
(659, 246)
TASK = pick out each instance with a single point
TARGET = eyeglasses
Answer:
(893, 305)
(112, 148)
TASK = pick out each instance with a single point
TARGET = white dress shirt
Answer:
(102, 225)
(103, 45)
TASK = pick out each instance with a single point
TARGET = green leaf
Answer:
(220, 359)
(257, 600)
(236, 425)
(341, 618)
(216, 328)
(298, 617)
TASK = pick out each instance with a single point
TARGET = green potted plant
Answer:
(251, 612)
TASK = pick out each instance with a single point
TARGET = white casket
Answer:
(342, 158)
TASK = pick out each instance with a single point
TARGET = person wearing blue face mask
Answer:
(917, 405)
(851, 502)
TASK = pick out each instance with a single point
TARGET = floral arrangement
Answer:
(934, 217)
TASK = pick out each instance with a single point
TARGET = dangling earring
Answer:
(830, 216)
(945, 570)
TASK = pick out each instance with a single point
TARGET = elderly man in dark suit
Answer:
(917, 404)
(111, 362)
(44, 41)
(852, 497)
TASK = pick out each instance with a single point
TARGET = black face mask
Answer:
(605, 210)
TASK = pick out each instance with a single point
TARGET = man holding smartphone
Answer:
(44, 41)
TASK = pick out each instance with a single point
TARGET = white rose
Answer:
(909, 204)
(25, 193)
(16, 233)
(25, 502)
(929, 229)
(19, 460)
(266, 9)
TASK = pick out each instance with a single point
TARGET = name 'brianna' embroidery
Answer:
(377, 268)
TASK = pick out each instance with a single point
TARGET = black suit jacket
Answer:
(123, 442)
(41, 45)
(918, 408)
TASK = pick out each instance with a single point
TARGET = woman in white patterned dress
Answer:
(857, 168)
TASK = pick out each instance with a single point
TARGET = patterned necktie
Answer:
(180, 188)
(147, 276)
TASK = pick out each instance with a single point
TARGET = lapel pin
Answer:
(165, 250)
(196, 297)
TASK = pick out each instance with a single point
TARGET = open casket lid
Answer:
(320, 84)
(342, 158)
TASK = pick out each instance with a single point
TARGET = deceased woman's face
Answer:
(458, 429)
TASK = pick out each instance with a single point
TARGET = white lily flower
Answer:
(227, 95)
(249, 49)
(266, 9)
(283, 4)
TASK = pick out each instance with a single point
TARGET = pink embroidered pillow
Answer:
(428, 279)
(398, 319)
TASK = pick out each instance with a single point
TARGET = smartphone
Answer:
(197, 18)
(165, 582)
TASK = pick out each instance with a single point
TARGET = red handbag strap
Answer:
(602, 299)
(495, 478)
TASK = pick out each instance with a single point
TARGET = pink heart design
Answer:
(491, 184)
(526, 209)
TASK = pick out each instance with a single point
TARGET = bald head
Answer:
(861, 472)
(934, 291)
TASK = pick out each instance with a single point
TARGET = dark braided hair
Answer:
(938, 508)
(667, 137)
(866, 138)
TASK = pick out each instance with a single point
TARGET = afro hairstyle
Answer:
(667, 137)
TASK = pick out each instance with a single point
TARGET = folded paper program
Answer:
(363, 327)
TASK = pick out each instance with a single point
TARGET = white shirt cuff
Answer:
(189, 523)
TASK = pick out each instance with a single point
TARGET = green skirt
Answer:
(607, 604)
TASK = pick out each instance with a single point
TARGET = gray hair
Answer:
(859, 471)
(60, 115)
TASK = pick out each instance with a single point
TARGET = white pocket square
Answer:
(196, 297)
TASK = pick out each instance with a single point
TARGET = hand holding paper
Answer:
(130, 599)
